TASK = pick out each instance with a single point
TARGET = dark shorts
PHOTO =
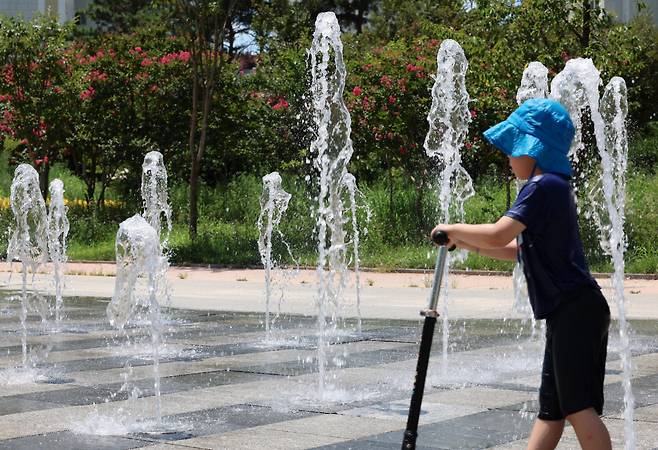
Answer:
(574, 359)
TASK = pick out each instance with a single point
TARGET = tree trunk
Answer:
(194, 198)
(587, 24)
(44, 174)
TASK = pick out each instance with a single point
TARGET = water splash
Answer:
(28, 241)
(58, 230)
(448, 119)
(273, 204)
(154, 193)
(332, 150)
(534, 83)
(139, 255)
(577, 88)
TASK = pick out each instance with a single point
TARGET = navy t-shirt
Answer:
(550, 247)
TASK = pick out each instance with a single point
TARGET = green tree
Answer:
(33, 97)
(202, 24)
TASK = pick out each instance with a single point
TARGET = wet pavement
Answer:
(226, 384)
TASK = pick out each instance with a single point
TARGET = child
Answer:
(542, 229)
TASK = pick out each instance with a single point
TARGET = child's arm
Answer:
(485, 237)
(507, 253)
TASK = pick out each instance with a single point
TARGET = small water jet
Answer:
(139, 255)
(155, 194)
(28, 241)
(58, 230)
(273, 204)
(349, 181)
(448, 119)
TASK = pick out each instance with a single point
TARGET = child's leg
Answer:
(545, 434)
(590, 429)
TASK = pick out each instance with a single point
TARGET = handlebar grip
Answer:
(440, 237)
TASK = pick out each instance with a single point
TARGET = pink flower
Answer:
(357, 90)
(138, 49)
(385, 81)
(468, 145)
(474, 113)
(87, 93)
(147, 62)
(403, 150)
(154, 88)
(392, 99)
(24, 141)
(282, 104)
(184, 56)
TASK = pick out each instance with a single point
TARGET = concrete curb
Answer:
(490, 273)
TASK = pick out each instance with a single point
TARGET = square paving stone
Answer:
(71, 441)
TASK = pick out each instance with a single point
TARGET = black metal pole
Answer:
(409, 441)
(411, 433)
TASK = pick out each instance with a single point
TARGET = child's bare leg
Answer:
(545, 434)
(590, 429)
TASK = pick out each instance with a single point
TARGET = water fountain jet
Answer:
(28, 241)
(58, 230)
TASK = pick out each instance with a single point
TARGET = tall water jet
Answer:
(534, 84)
(273, 204)
(332, 150)
(28, 241)
(154, 193)
(610, 221)
(58, 230)
(139, 255)
(577, 88)
(448, 119)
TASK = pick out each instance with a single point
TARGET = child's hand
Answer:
(447, 230)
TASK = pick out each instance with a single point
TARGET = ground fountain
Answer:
(603, 185)
(448, 119)
(58, 230)
(273, 204)
(332, 150)
(28, 242)
(139, 256)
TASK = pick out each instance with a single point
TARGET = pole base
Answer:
(409, 440)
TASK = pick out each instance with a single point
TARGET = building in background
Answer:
(64, 10)
(626, 10)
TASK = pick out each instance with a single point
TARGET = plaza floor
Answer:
(227, 384)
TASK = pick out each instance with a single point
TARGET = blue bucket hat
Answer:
(540, 128)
